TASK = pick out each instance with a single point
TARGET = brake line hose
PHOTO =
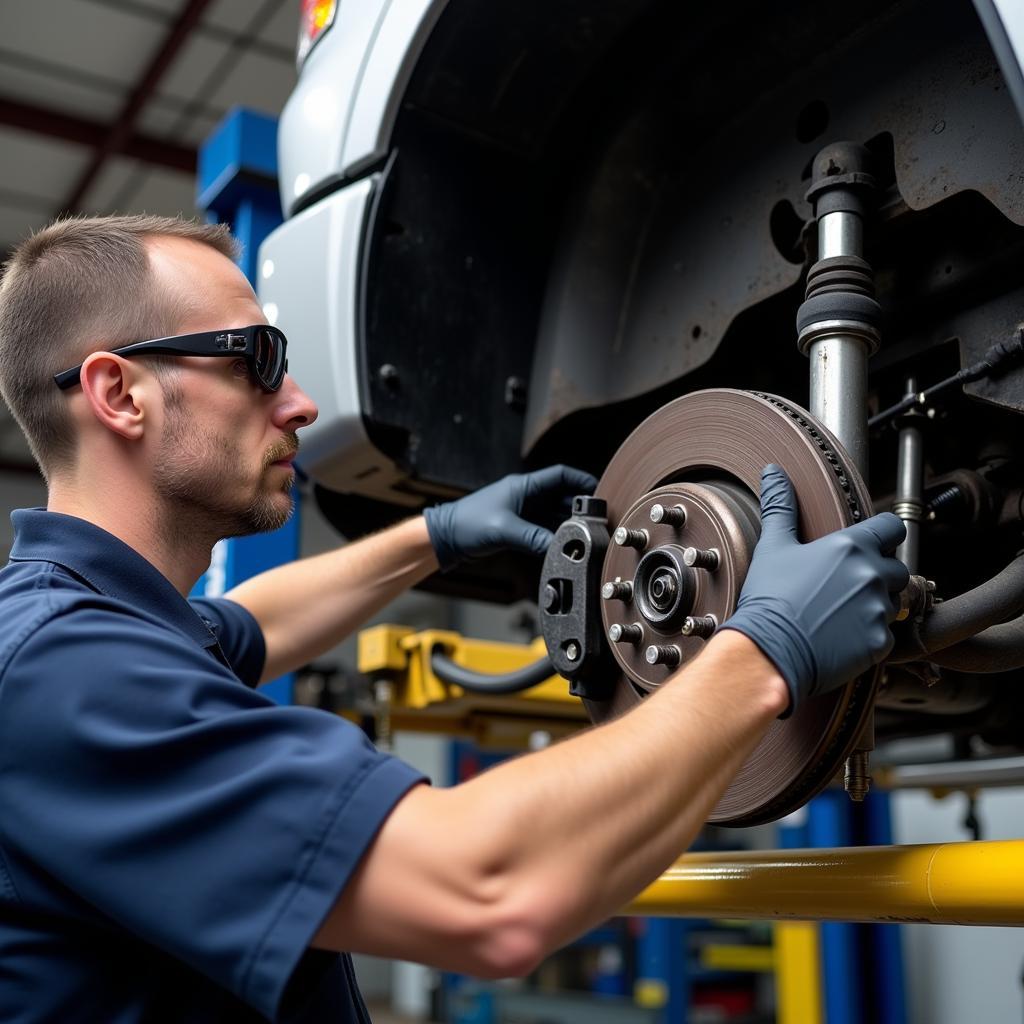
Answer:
(484, 682)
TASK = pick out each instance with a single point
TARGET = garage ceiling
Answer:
(103, 104)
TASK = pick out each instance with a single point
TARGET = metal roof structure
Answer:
(104, 103)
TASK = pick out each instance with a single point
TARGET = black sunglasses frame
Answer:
(267, 362)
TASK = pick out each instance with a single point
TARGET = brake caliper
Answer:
(570, 613)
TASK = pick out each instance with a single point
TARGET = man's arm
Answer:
(307, 607)
(304, 608)
(492, 875)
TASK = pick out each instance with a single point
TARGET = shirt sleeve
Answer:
(192, 811)
(238, 633)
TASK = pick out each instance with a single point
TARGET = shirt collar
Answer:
(106, 564)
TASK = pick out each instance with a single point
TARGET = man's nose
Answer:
(294, 408)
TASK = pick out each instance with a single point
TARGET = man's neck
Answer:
(182, 556)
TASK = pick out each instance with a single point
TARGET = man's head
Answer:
(75, 287)
(195, 435)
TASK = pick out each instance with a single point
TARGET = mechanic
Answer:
(173, 845)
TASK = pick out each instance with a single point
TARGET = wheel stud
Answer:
(632, 633)
(669, 654)
(620, 590)
(699, 625)
(631, 538)
(698, 559)
(674, 515)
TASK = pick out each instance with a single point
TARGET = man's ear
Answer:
(118, 393)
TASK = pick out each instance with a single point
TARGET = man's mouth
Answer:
(283, 454)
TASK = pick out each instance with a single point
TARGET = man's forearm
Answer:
(604, 814)
(306, 607)
(507, 867)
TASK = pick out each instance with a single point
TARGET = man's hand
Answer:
(819, 611)
(518, 511)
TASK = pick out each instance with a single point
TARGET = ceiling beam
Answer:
(70, 128)
(117, 134)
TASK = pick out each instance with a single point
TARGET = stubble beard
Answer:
(198, 479)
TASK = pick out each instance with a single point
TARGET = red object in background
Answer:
(735, 1002)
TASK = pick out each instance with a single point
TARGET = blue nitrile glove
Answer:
(519, 511)
(819, 611)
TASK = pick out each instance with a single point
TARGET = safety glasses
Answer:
(263, 348)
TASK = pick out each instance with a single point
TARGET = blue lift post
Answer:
(663, 978)
(237, 185)
(862, 965)
(829, 824)
(884, 946)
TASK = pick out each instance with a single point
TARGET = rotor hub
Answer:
(668, 583)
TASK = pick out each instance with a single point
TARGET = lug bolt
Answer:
(658, 654)
(698, 559)
(699, 625)
(631, 538)
(674, 515)
(628, 634)
(620, 589)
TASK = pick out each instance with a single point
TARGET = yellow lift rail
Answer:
(977, 883)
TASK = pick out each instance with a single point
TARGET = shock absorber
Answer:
(838, 329)
(838, 322)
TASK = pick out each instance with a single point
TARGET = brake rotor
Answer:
(684, 488)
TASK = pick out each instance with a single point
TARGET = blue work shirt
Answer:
(170, 839)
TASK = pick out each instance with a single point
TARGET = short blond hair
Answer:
(77, 286)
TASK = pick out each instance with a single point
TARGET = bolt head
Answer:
(572, 651)
(620, 536)
(608, 591)
(615, 632)
(675, 515)
(651, 654)
(551, 598)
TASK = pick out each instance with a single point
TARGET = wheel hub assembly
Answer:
(682, 508)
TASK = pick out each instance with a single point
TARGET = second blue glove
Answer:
(820, 611)
(519, 511)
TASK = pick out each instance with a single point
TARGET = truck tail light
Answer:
(316, 18)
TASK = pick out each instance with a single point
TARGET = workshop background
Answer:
(104, 106)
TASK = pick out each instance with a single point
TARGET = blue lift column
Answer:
(829, 824)
(884, 946)
(237, 185)
(862, 965)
